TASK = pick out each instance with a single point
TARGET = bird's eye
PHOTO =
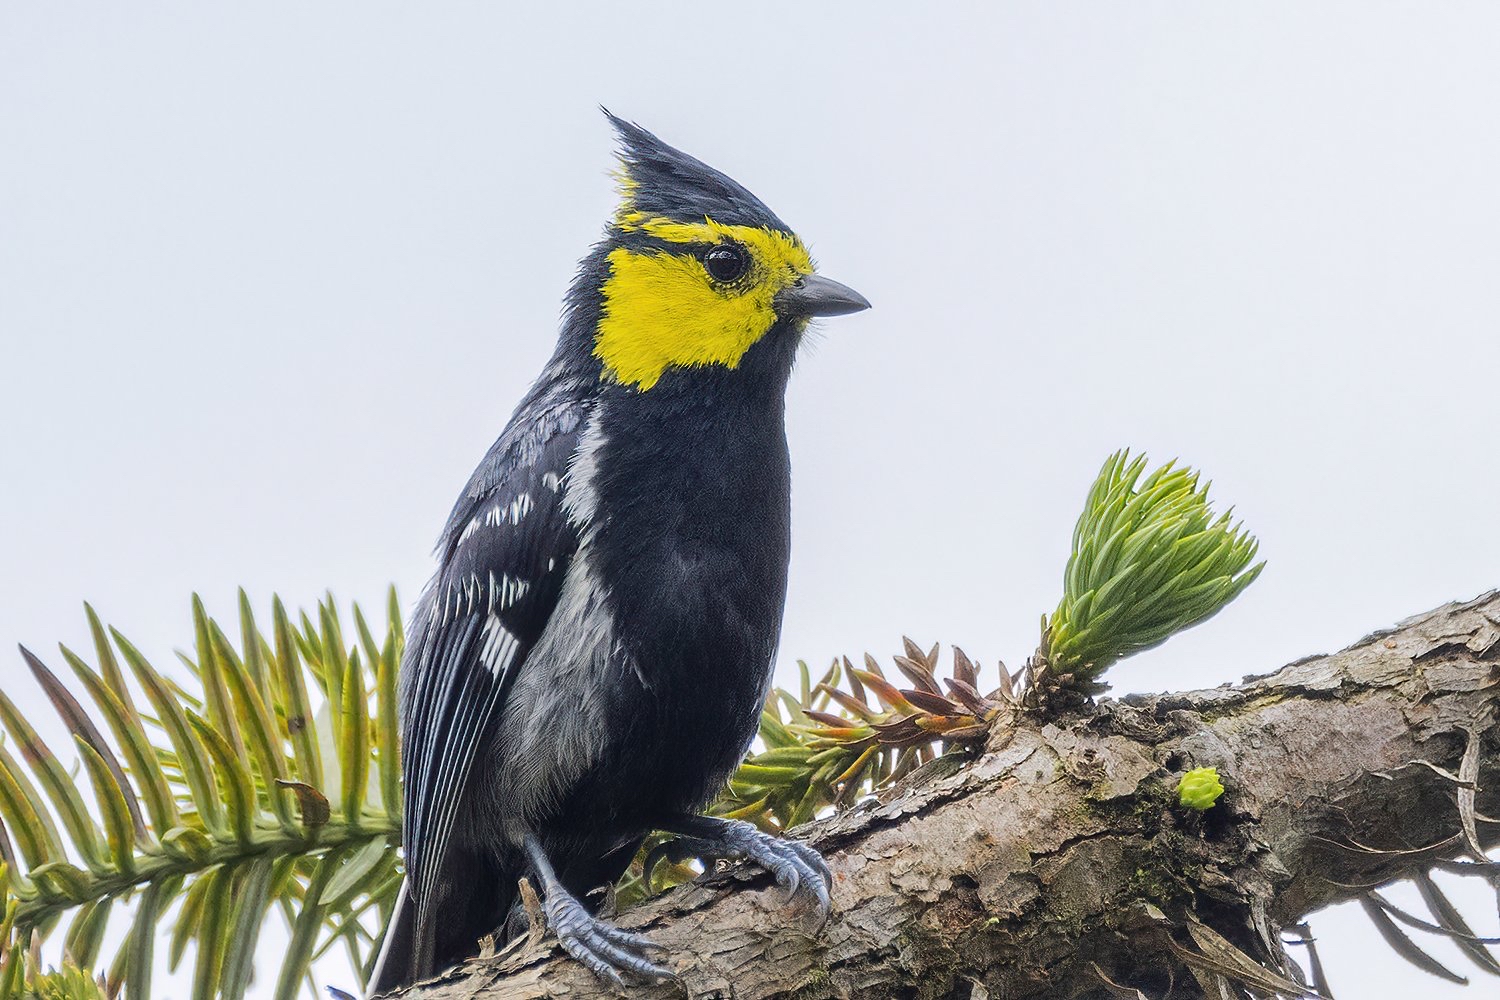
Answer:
(726, 262)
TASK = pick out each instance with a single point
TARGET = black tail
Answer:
(393, 968)
(420, 945)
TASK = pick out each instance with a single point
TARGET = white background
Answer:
(271, 280)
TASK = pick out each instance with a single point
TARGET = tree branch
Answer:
(1059, 856)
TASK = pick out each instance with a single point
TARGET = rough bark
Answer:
(1060, 854)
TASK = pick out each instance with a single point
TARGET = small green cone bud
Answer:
(1199, 789)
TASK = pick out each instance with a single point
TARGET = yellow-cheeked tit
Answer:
(590, 661)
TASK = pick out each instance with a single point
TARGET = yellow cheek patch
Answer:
(662, 310)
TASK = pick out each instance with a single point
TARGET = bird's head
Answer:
(695, 270)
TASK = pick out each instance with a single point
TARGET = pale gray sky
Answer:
(273, 277)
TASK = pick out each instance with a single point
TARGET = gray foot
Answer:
(602, 948)
(797, 868)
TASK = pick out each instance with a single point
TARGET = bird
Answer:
(589, 663)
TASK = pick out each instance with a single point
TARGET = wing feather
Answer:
(504, 554)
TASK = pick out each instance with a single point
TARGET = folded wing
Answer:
(504, 555)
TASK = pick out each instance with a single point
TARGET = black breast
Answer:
(693, 538)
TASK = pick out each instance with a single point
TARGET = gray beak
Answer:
(816, 295)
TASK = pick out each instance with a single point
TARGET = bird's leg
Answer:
(797, 868)
(604, 949)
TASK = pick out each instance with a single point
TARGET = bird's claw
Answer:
(797, 868)
(602, 948)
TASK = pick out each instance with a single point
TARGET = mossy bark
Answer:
(1060, 856)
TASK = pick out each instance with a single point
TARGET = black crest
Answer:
(668, 183)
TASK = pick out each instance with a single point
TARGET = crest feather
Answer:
(661, 181)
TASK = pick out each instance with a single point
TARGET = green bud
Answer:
(1150, 558)
(1199, 789)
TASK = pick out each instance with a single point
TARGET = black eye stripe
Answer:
(726, 262)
